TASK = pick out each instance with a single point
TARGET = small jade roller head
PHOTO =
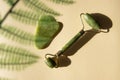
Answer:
(90, 21)
(51, 61)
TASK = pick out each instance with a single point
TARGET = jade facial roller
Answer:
(52, 60)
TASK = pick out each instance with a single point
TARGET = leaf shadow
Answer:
(104, 22)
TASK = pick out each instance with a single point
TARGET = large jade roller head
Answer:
(90, 21)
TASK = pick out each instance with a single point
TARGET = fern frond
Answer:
(14, 58)
(40, 7)
(25, 16)
(10, 2)
(1, 78)
(63, 1)
(0, 17)
(16, 34)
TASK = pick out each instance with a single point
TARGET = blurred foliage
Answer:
(10, 2)
(15, 58)
(23, 16)
(63, 1)
(40, 7)
(17, 35)
(4, 78)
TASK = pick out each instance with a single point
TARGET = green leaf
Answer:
(46, 30)
(40, 7)
(63, 1)
(17, 35)
(15, 58)
(0, 17)
(10, 2)
(25, 16)
(1, 78)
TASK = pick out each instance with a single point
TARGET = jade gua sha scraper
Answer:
(52, 60)
(47, 29)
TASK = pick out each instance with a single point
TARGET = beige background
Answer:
(99, 59)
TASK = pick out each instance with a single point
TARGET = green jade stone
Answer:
(91, 21)
(51, 63)
(47, 28)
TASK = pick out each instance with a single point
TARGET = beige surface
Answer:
(99, 59)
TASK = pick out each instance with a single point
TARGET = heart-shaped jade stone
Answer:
(47, 28)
